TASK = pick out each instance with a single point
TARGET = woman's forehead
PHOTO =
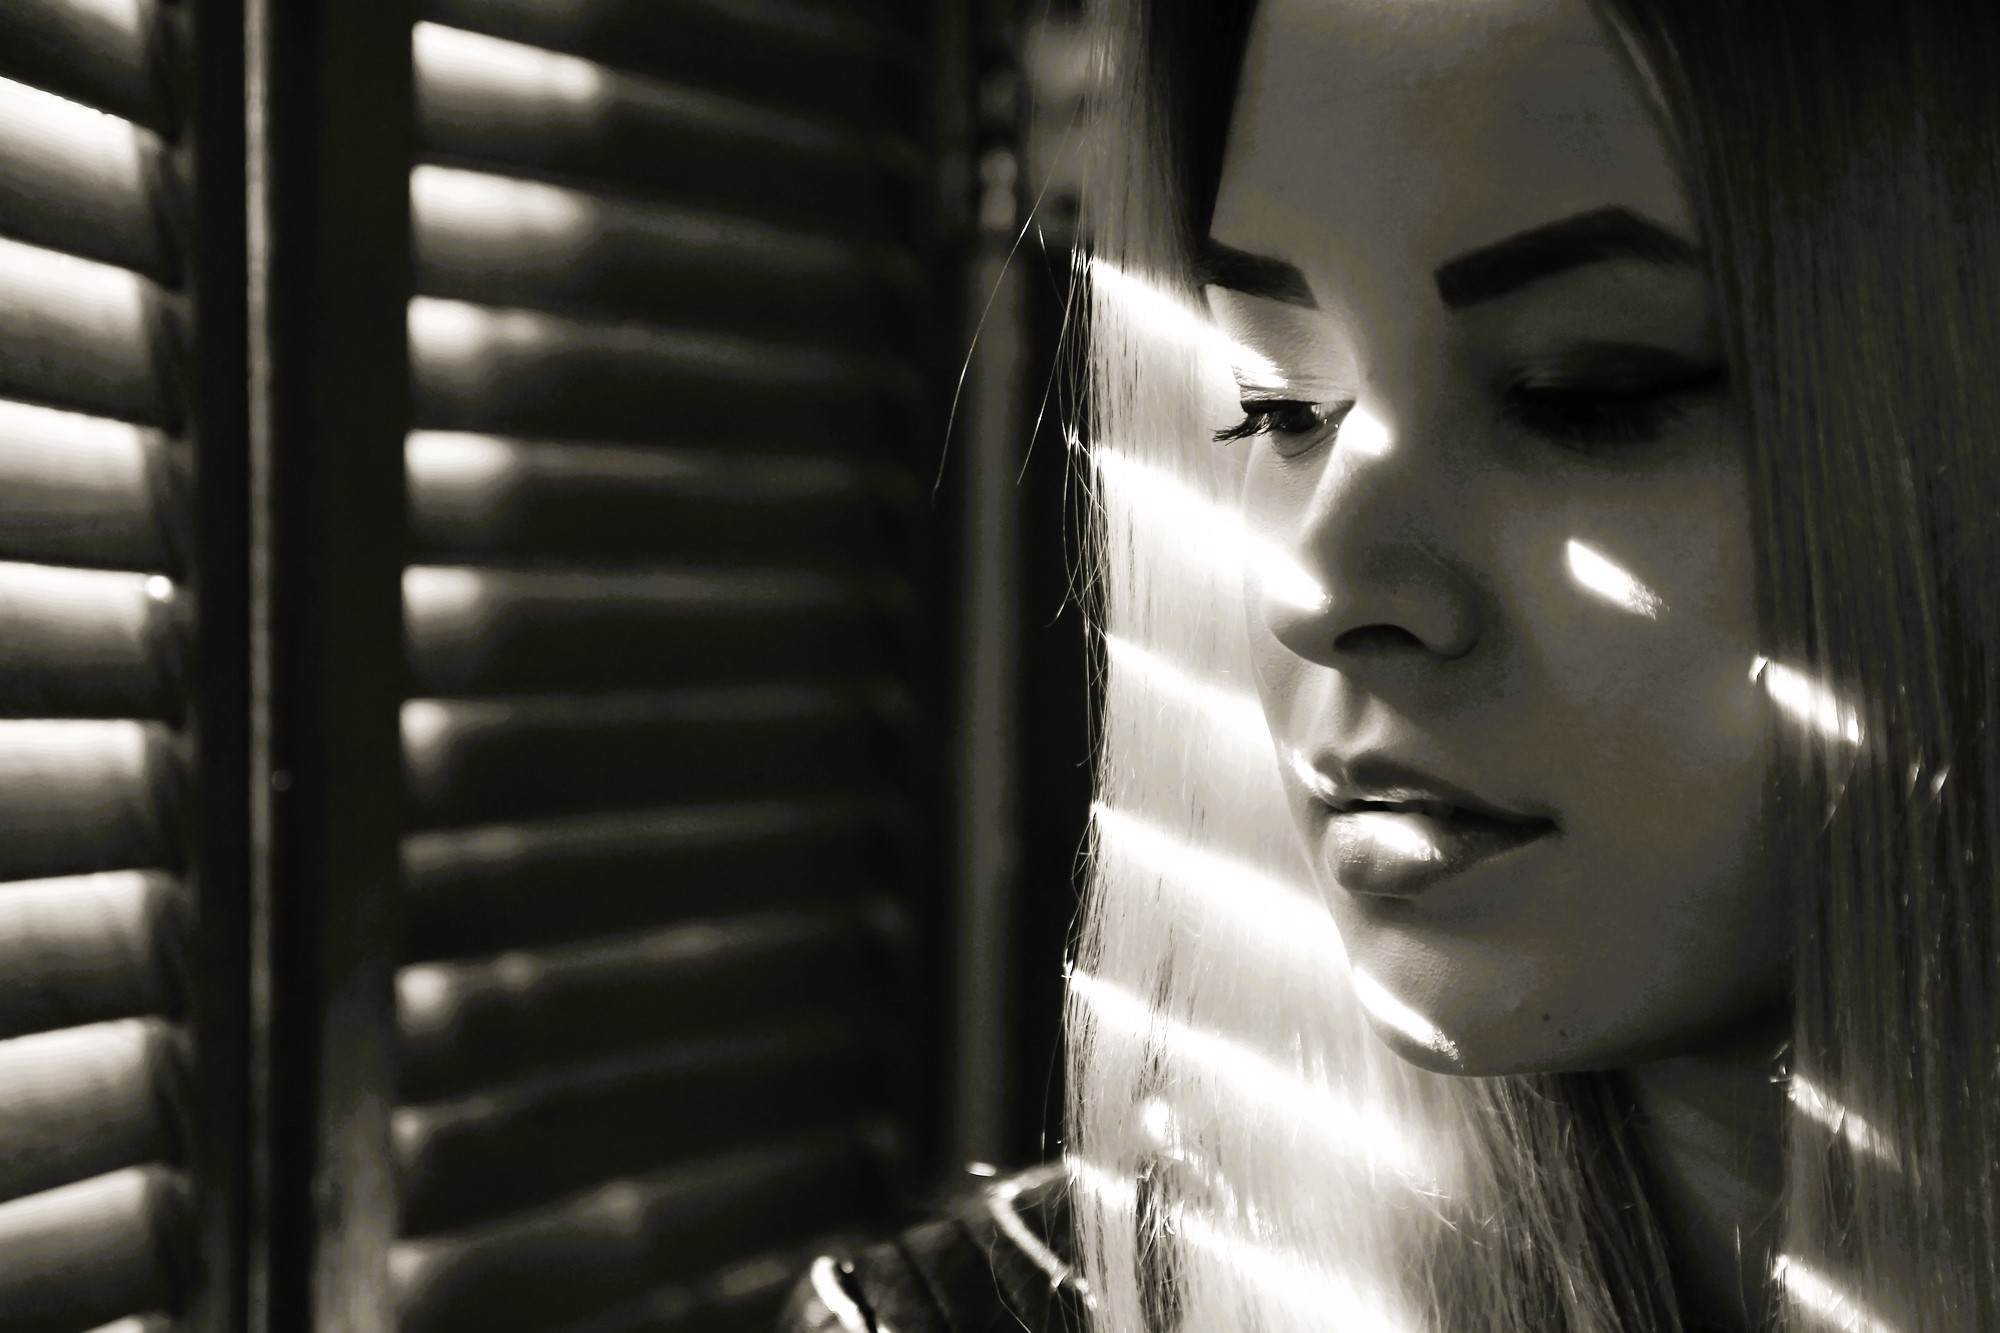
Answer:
(1370, 132)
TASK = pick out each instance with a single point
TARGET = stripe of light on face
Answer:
(1807, 700)
(1361, 1305)
(1377, 1000)
(1232, 712)
(1357, 1133)
(1606, 579)
(1813, 1292)
(1211, 531)
(1365, 433)
(1284, 915)
(1837, 1118)
(1158, 311)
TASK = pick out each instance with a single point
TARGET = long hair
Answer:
(1244, 1153)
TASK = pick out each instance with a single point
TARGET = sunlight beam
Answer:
(1807, 700)
(1210, 532)
(1606, 579)
(1352, 1132)
(1286, 916)
(1235, 712)
(1362, 1306)
(1814, 1293)
(1377, 1000)
(1158, 311)
(1836, 1118)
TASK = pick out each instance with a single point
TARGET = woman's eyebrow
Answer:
(1219, 265)
(1583, 238)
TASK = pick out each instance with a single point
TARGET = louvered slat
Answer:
(80, 490)
(99, 53)
(82, 335)
(477, 1022)
(482, 101)
(154, 1323)
(484, 762)
(87, 643)
(94, 1251)
(77, 797)
(513, 242)
(525, 372)
(74, 179)
(89, 1100)
(90, 948)
(499, 887)
(517, 1147)
(831, 62)
(593, 504)
(745, 1295)
(613, 1243)
(482, 631)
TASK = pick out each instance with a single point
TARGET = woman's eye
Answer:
(1614, 411)
(1290, 420)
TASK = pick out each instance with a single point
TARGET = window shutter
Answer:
(667, 815)
(119, 1072)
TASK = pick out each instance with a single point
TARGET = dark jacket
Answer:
(998, 1262)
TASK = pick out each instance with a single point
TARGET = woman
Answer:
(1542, 875)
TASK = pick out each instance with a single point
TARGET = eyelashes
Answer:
(1284, 417)
(1581, 411)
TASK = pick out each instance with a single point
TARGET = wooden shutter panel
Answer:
(112, 1079)
(662, 624)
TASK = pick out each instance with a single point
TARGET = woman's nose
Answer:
(1383, 535)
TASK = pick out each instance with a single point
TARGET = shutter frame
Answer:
(329, 409)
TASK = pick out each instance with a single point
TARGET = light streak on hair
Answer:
(1820, 1297)
(1375, 997)
(1807, 700)
(1107, 1189)
(1837, 1118)
(1211, 531)
(1351, 1131)
(1283, 915)
(1231, 711)
(1165, 315)
(1612, 582)
(1361, 1308)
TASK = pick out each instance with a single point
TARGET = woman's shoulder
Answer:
(999, 1258)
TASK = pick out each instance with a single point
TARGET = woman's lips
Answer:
(1400, 853)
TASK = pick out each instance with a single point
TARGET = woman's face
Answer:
(1496, 437)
